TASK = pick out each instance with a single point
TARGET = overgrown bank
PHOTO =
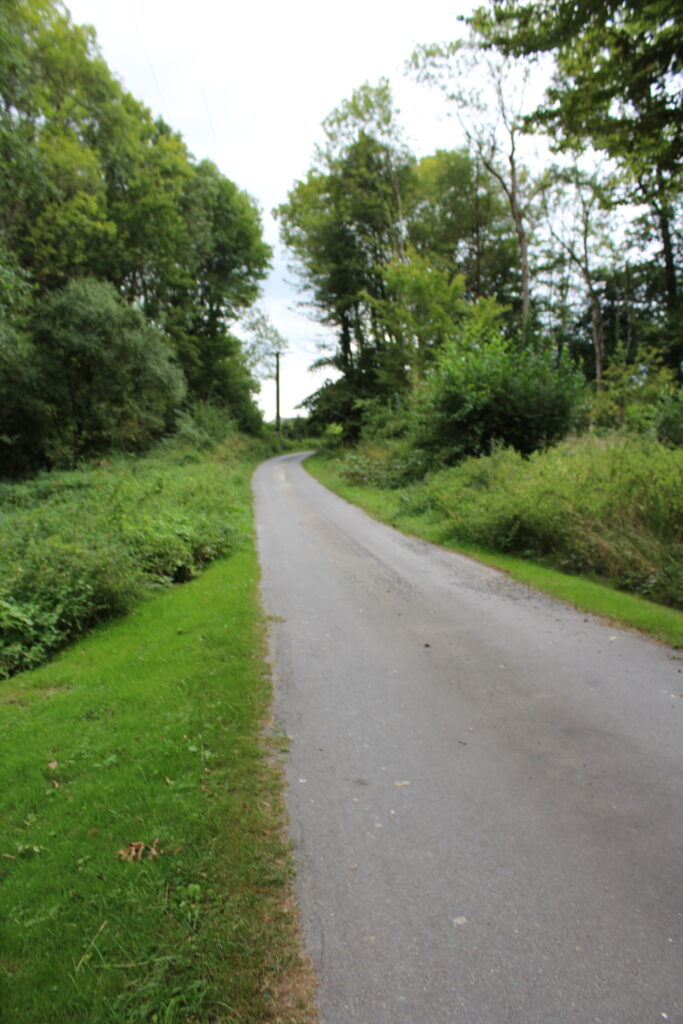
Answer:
(607, 509)
(143, 871)
(83, 546)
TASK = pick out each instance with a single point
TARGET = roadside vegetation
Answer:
(507, 363)
(144, 873)
(82, 546)
(505, 377)
(594, 521)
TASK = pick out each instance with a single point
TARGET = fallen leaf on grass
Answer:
(136, 851)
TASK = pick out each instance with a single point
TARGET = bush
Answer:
(390, 464)
(142, 522)
(203, 425)
(611, 507)
(490, 394)
(92, 376)
(669, 419)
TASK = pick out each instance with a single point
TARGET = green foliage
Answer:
(607, 508)
(154, 521)
(670, 419)
(391, 464)
(148, 732)
(91, 186)
(343, 225)
(332, 437)
(637, 396)
(618, 71)
(484, 392)
(612, 508)
(94, 376)
(202, 425)
(618, 89)
(416, 512)
(459, 218)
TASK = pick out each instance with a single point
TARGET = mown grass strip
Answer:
(143, 871)
(594, 597)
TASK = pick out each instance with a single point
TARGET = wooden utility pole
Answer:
(277, 391)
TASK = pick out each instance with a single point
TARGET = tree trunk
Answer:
(598, 335)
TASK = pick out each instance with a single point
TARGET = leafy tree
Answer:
(618, 82)
(94, 375)
(420, 311)
(580, 224)
(459, 217)
(345, 222)
(263, 342)
(491, 115)
(635, 392)
(484, 390)
(618, 87)
(92, 185)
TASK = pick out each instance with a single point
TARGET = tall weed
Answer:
(80, 547)
(611, 507)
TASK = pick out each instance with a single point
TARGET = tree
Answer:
(579, 223)
(421, 308)
(484, 390)
(93, 185)
(93, 375)
(491, 117)
(344, 223)
(459, 217)
(618, 87)
(264, 342)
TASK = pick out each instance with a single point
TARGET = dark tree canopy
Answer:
(92, 186)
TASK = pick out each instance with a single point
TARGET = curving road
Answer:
(484, 785)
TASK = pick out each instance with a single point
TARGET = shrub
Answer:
(490, 394)
(147, 521)
(93, 376)
(612, 507)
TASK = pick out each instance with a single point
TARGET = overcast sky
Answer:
(248, 84)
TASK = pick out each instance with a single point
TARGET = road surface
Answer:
(484, 786)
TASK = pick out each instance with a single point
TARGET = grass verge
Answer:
(389, 506)
(144, 876)
(142, 524)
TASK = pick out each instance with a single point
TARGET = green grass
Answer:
(423, 519)
(150, 731)
(141, 524)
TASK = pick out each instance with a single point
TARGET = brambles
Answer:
(610, 508)
(81, 547)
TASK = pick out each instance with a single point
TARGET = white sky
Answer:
(248, 84)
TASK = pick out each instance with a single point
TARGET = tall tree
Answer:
(91, 185)
(491, 116)
(618, 87)
(345, 222)
(458, 216)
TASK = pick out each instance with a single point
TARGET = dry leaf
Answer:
(136, 852)
(133, 852)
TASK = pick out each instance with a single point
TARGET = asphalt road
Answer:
(484, 785)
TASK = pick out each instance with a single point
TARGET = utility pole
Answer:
(277, 391)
